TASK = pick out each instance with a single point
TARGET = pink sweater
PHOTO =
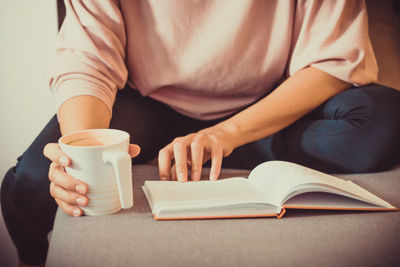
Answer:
(210, 58)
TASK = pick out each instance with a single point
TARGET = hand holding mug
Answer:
(70, 193)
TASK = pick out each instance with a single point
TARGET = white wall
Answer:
(27, 39)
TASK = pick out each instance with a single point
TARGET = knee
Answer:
(9, 195)
(361, 131)
(6, 193)
(25, 189)
(377, 147)
(359, 106)
(26, 211)
(374, 109)
(385, 103)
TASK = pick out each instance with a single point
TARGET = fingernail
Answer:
(163, 178)
(80, 201)
(63, 161)
(181, 177)
(76, 212)
(80, 189)
(213, 177)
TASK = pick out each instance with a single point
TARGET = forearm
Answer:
(83, 112)
(298, 95)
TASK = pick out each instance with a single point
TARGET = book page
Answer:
(279, 179)
(326, 200)
(173, 195)
(352, 191)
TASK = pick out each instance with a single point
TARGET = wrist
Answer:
(225, 133)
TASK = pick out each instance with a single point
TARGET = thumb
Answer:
(53, 152)
(134, 150)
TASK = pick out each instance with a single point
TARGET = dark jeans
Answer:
(356, 131)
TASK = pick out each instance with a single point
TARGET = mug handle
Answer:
(122, 164)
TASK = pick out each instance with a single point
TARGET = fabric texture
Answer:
(301, 238)
(206, 59)
(355, 131)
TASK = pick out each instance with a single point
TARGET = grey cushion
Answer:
(301, 237)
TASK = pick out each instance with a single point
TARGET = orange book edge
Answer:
(220, 217)
(336, 208)
(279, 215)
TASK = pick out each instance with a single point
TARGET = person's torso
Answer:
(207, 59)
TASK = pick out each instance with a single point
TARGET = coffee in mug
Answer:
(100, 158)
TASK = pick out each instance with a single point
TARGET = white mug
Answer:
(100, 158)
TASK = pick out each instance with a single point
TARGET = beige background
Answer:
(27, 35)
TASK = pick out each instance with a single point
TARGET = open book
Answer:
(272, 187)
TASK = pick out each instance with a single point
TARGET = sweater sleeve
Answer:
(333, 37)
(90, 54)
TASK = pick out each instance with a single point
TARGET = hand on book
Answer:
(271, 188)
(191, 152)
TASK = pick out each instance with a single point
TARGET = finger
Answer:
(69, 197)
(134, 150)
(69, 209)
(180, 155)
(173, 173)
(66, 181)
(197, 151)
(53, 152)
(216, 162)
(164, 163)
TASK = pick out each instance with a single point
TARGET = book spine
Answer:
(280, 215)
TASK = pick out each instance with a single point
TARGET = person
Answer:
(229, 84)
